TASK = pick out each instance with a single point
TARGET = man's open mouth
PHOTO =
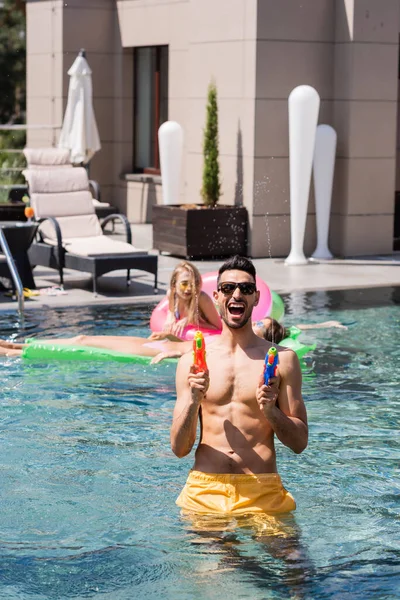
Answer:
(236, 310)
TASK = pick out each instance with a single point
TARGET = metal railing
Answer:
(3, 242)
(26, 127)
(7, 182)
(14, 273)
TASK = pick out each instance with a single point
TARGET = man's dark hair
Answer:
(238, 263)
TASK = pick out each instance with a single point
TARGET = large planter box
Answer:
(200, 232)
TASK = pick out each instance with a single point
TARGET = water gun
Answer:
(199, 352)
(271, 364)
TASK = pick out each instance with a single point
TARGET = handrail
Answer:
(21, 127)
(14, 273)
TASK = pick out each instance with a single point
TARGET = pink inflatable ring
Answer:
(209, 285)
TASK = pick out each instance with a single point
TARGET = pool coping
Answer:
(315, 276)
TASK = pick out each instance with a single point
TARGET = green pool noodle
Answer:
(40, 350)
(45, 350)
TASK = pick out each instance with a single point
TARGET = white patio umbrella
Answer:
(79, 131)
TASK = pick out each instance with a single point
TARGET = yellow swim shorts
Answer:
(239, 494)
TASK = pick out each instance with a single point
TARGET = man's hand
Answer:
(267, 395)
(199, 383)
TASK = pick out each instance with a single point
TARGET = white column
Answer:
(303, 118)
(170, 140)
(324, 166)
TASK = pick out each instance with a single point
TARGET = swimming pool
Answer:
(89, 481)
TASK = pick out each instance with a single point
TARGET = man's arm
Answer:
(286, 412)
(190, 390)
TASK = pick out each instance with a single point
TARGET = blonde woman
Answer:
(188, 304)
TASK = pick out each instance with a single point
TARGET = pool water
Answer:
(88, 480)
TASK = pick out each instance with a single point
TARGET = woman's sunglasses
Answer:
(183, 285)
(246, 288)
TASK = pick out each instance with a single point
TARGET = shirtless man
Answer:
(235, 463)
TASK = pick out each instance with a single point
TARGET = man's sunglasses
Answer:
(246, 288)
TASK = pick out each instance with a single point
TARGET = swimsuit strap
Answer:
(176, 312)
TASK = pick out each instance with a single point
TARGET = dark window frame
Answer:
(155, 168)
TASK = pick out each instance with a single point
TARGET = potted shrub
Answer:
(207, 230)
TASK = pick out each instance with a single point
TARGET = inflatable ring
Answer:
(278, 307)
(209, 285)
(47, 351)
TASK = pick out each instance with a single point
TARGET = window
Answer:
(151, 105)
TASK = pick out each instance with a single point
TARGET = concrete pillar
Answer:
(364, 116)
(44, 70)
(56, 30)
(222, 49)
(294, 47)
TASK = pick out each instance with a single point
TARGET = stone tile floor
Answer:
(379, 271)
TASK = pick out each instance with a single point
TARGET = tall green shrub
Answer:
(12, 61)
(211, 189)
(12, 88)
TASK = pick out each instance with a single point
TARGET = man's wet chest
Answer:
(234, 380)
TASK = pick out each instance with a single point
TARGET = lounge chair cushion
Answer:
(79, 226)
(55, 181)
(47, 157)
(62, 205)
(101, 245)
(74, 212)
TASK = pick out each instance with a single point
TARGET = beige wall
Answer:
(56, 31)
(257, 51)
(207, 41)
(364, 115)
(348, 51)
(45, 68)
(149, 23)
(294, 47)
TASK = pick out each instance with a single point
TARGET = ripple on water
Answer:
(89, 481)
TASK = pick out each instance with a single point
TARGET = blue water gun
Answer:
(271, 364)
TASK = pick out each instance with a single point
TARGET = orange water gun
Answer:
(199, 352)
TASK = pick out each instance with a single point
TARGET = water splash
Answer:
(262, 189)
(196, 296)
(269, 250)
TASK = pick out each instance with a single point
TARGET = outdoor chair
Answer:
(70, 234)
(59, 158)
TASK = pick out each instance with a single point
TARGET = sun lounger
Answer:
(59, 158)
(71, 235)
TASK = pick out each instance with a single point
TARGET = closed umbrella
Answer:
(79, 131)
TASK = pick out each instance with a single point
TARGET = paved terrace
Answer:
(324, 275)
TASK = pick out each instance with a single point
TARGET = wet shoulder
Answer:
(285, 354)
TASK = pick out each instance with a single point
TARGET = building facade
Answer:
(153, 60)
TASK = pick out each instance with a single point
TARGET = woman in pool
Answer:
(188, 304)
(170, 346)
(273, 331)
